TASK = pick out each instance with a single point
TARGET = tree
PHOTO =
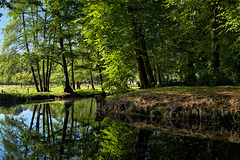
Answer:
(107, 21)
(24, 35)
(62, 15)
(203, 18)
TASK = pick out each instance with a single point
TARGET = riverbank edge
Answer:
(198, 103)
(8, 99)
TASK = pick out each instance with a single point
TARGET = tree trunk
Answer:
(49, 75)
(145, 57)
(142, 61)
(155, 73)
(39, 78)
(64, 64)
(215, 62)
(47, 79)
(43, 76)
(35, 80)
(27, 48)
(238, 71)
(141, 70)
(91, 80)
(190, 77)
(101, 78)
(67, 85)
(73, 80)
(159, 74)
(72, 65)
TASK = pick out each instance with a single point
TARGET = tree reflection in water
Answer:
(70, 130)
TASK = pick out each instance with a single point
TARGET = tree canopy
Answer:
(114, 43)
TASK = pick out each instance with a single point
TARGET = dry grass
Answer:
(210, 97)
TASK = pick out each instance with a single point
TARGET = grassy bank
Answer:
(13, 94)
(213, 103)
(217, 97)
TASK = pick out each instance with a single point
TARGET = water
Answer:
(73, 130)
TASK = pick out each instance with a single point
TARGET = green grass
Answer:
(18, 93)
(13, 94)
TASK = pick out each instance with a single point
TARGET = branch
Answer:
(55, 61)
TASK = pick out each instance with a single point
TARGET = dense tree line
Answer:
(114, 42)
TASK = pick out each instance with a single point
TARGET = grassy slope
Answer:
(222, 97)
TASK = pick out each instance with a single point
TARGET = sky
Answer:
(3, 23)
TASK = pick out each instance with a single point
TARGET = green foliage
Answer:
(213, 79)
(100, 37)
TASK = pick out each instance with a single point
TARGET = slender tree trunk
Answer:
(101, 78)
(238, 71)
(35, 80)
(49, 76)
(72, 65)
(215, 63)
(64, 64)
(47, 79)
(39, 77)
(191, 78)
(155, 72)
(91, 80)
(28, 50)
(43, 76)
(73, 80)
(78, 85)
(159, 74)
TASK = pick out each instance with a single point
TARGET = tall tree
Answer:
(62, 14)
(107, 21)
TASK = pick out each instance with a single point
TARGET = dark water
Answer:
(71, 130)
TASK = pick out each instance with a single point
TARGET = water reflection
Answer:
(70, 130)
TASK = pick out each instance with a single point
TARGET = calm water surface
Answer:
(71, 130)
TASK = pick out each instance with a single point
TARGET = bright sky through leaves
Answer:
(3, 23)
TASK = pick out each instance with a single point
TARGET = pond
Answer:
(74, 130)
